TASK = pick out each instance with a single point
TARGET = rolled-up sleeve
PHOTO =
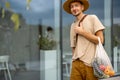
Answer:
(72, 37)
(97, 24)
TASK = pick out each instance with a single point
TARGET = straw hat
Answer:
(66, 5)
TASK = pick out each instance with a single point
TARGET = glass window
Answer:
(29, 34)
(115, 35)
(67, 19)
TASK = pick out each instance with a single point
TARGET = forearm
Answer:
(91, 37)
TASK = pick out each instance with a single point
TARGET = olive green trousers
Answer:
(80, 71)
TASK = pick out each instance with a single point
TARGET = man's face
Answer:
(76, 8)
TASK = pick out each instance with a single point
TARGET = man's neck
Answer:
(80, 16)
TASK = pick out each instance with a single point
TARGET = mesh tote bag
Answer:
(101, 64)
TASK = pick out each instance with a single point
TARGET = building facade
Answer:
(40, 48)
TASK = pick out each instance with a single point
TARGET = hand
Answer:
(79, 29)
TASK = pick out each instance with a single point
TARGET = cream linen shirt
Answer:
(84, 49)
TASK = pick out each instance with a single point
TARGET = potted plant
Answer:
(116, 41)
(46, 44)
(48, 55)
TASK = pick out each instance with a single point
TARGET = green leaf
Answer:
(46, 44)
(16, 21)
(7, 5)
(28, 1)
(28, 4)
(16, 27)
(3, 13)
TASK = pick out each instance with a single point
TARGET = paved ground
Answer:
(24, 75)
(35, 75)
(113, 78)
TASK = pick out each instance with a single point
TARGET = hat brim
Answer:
(66, 6)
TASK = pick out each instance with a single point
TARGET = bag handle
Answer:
(79, 25)
(99, 40)
(99, 44)
(82, 19)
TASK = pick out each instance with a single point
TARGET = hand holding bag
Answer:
(101, 64)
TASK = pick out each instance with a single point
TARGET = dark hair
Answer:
(49, 28)
(80, 2)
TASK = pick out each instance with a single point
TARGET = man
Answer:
(83, 38)
(49, 33)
